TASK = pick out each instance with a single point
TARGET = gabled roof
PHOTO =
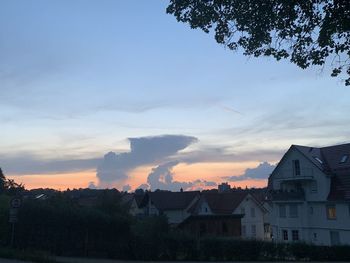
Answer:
(340, 182)
(138, 199)
(312, 153)
(224, 203)
(166, 200)
(331, 164)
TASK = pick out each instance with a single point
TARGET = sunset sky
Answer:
(105, 93)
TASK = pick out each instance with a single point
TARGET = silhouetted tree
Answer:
(2, 181)
(312, 32)
(9, 186)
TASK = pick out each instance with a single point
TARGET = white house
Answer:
(240, 202)
(310, 195)
(174, 205)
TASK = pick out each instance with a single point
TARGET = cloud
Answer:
(225, 154)
(162, 177)
(261, 172)
(143, 151)
(26, 163)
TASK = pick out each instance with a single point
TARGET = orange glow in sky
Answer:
(182, 173)
(57, 181)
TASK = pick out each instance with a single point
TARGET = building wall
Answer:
(213, 227)
(320, 225)
(312, 223)
(308, 169)
(203, 208)
(251, 221)
(176, 216)
(135, 210)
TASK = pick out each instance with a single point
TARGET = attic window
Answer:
(344, 158)
(318, 159)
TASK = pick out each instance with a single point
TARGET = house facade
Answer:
(309, 193)
(240, 203)
(213, 225)
(174, 205)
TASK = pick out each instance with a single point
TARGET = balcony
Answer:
(289, 175)
(280, 195)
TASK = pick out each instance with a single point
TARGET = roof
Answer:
(138, 199)
(166, 200)
(224, 203)
(331, 164)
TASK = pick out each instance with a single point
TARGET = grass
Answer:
(26, 255)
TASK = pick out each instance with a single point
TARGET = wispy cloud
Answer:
(26, 164)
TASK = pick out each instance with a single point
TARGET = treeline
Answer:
(62, 227)
(96, 223)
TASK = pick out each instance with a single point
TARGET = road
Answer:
(90, 260)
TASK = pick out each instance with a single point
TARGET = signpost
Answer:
(13, 219)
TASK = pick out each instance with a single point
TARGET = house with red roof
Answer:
(243, 204)
(309, 192)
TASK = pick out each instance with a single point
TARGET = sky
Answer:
(104, 93)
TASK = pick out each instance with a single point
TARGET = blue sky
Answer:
(78, 78)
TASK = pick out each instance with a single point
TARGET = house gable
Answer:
(312, 180)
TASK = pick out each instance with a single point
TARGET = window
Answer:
(318, 159)
(293, 210)
(202, 228)
(335, 240)
(253, 230)
(296, 167)
(295, 235)
(266, 228)
(224, 227)
(244, 233)
(252, 212)
(243, 210)
(285, 234)
(344, 158)
(311, 210)
(331, 212)
(282, 210)
(313, 187)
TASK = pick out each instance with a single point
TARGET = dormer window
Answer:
(318, 159)
(296, 167)
(344, 158)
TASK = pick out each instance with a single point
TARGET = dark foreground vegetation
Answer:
(95, 223)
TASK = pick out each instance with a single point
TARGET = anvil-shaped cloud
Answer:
(143, 151)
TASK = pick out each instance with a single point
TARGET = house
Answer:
(133, 202)
(175, 205)
(213, 225)
(309, 192)
(235, 203)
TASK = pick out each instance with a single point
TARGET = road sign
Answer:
(13, 215)
(15, 203)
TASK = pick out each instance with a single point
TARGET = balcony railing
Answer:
(289, 174)
(279, 195)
